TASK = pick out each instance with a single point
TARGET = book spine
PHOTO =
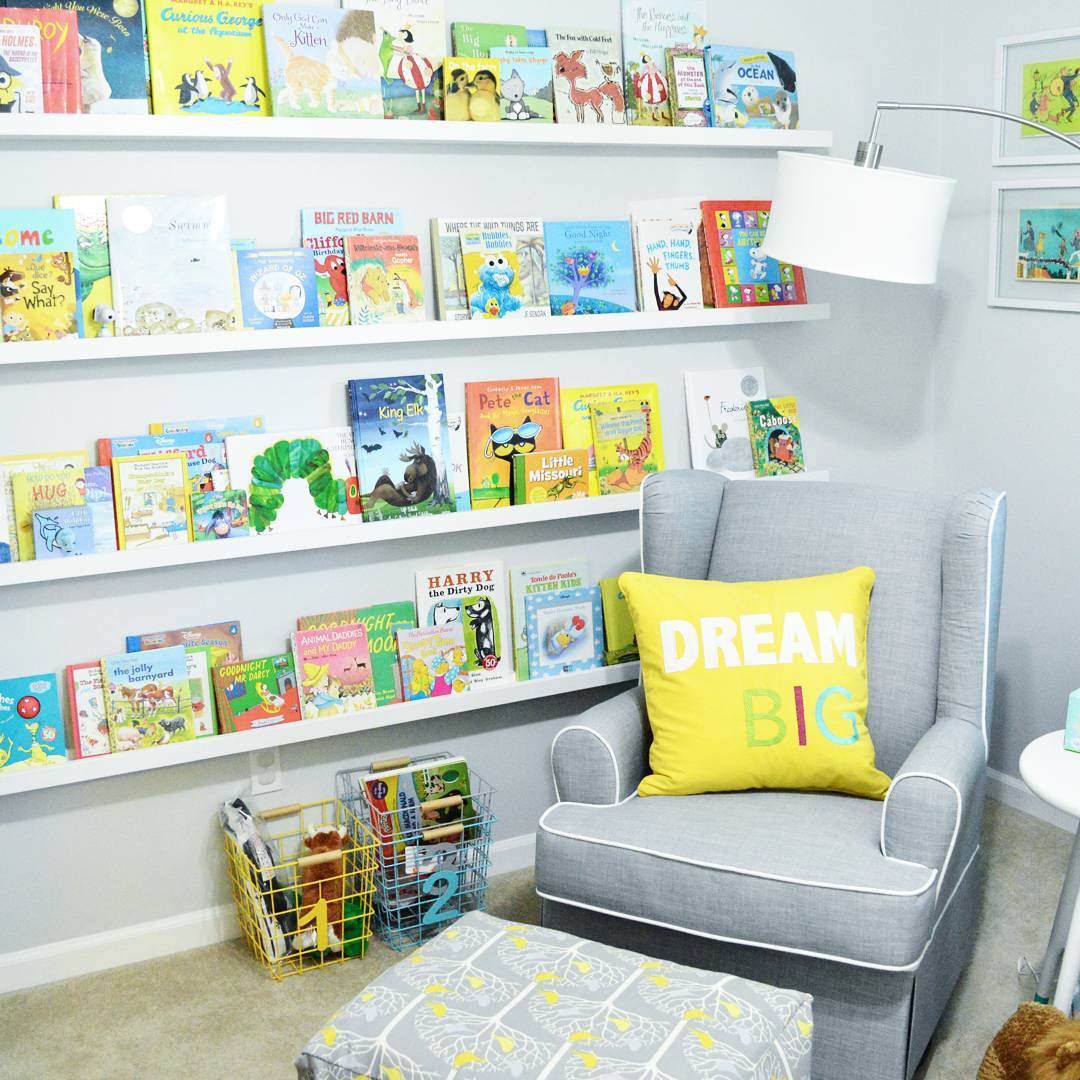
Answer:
(110, 714)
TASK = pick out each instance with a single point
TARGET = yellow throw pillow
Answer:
(756, 684)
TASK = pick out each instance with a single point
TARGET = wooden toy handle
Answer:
(279, 811)
(443, 833)
(390, 763)
(442, 804)
(322, 857)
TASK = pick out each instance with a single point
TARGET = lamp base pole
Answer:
(868, 154)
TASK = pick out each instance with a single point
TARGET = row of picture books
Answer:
(402, 454)
(142, 265)
(472, 627)
(376, 59)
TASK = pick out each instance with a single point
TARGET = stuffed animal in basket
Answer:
(1038, 1042)
(324, 881)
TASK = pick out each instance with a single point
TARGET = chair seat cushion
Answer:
(783, 870)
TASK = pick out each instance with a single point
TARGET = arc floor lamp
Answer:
(901, 215)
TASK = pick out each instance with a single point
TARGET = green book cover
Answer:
(775, 439)
(620, 644)
(200, 668)
(476, 39)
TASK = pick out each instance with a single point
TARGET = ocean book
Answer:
(716, 417)
(525, 84)
(412, 47)
(323, 61)
(503, 420)
(433, 661)
(20, 63)
(775, 440)
(386, 278)
(207, 469)
(86, 707)
(223, 638)
(44, 489)
(669, 261)
(587, 74)
(92, 262)
(620, 642)
(751, 87)
(624, 446)
(473, 596)
(39, 293)
(20, 463)
(333, 670)
(648, 31)
(590, 267)
(527, 581)
(402, 446)
(459, 461)
(477, 39)
(505, 269)
(277, 289)
(547, 476)
(219, 515)
(471, 89)
(255, 694)
(31, 724)
(565, 631)
(151, 500)
(62, 532)
(172, 268)
(61, 65)
(147, 698)
(688, 87)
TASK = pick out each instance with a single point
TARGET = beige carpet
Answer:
(213, 1014)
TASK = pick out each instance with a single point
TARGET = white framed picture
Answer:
(1038, 76)
(1035, 245)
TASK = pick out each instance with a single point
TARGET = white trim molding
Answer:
(1013, 792)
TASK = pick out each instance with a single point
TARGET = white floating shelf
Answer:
(391, 333)
(121, 562)
(166, 131)
(241, 742)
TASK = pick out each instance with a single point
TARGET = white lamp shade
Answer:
(885, 224)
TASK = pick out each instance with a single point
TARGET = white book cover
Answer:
(587, 70)
(459, 460)
(716, 412)
(668, 262)
(649, 29)
(20, 69)
(476, 596)
(527, 580)
(171, 263)
(296, 480)
(451, 298)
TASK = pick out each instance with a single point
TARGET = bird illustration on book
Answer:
(252, 92)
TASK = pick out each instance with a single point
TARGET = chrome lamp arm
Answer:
(868, 154)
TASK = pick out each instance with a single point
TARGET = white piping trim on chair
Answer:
(641, 519)
(731, 869)
(986, 621)
(956, 823)
(607, 747)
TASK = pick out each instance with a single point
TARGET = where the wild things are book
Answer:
(402, 446)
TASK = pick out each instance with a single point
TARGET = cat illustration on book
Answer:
(572, 68)
(505, 443)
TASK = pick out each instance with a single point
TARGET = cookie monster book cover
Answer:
(505, 270)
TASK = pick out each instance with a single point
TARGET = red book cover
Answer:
(61, 73)
(742, 275)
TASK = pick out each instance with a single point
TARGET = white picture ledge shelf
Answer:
(81, 566)
(166, 131)
(241, 742)
(395, 333)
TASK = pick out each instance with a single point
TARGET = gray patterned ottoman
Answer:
(491, 999)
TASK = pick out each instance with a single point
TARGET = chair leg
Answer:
(1063, 921)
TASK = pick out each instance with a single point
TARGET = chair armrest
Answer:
(603, 755)
(933, 809)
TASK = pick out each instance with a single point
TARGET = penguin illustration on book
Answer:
(202, 87)
(252, 92)
(188, 93)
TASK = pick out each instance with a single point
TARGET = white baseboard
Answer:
(1015, 793)
(145, 941)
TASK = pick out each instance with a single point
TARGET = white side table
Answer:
(1053, 773)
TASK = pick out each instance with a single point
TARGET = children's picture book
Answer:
(86, 707)
(43, 489)
(99, 501)
(459, 461)
(31, 724)
(172, 268)
(207, 469)
(688, 87)
(277, 289)
(200, 668)
(215, 428)
(504, 420)
(648, 31)
(61, 68)
(223, 638)
(385, 278)
(295, 480)
(477, 39)
(63, 531)
(402, 446)
(547, 476)
(323, 61)
(451, 298)
(525, 84)
(208, 57)
(255, 694)
(39, 298)
(151, 500)
(624, 446)
(20, 66)
(473, 596)
(471, 89)
(412, 36)
(754, 88)
(19, 463)
(382, 622)
(577, 403)
(333, 670)
(526, 581)
(716, 417)
(148, 698)
(775, 439)
(505, 270)
(742, 274)
(590, 267)
(565, 631)
(219, 515)
(433, 661)
(92, 262)
(620, 641)
(587, 74)
(668, 261)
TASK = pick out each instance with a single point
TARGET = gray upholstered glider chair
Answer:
(870, 906)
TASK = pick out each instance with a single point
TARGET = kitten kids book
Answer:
(42, 490)
(412, 36)
(525, 84)
(750, 87)
(333, 670)
(151, 500)
(433, 661)
(99, 501)
(588, 76)
(402, 446)
(39, 299)
(775, 440)
(277, 289)
(256, 693)
(590, 267)
(92, 262)
(547, 476)
(668, 262)
(473, 596)
(505, 270)
(31, 724)
(208, 57)
(716, 415)
(386, 279)
(148, 698)
(624, 446)
(63, 531)
(526, 581)
(172, 268)
(565, 631)
(219, 515)
(20, 62)
(323, 61)
(86, 707)
(477, 39)
(223, 638)
(649, 29)
(503, 420)
(61, 69)
(471, 89)
(688, 87)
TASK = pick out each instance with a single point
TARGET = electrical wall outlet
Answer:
(265, 771)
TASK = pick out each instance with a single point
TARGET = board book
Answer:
(151, 500)
(223, 638)
(433, 661)
(669, 262)
(31, 724)
(471, 89)
(412, 35)
(587, 70)
(750, 87)
(86, 707)
(620, 642)
(39, 298)
(20, 62)
(688, 87)
(333, 670)
(214, 428)
(44, 489)
(648, 31)
(385, 279)
(477, 39)
(565, 631)
(525, 84)
(525, 581)
(219, 515)
(716, 417)
(62, 532)
(148, 698)
(590, 267)
(61, 67)
(505, 270)
(547, 476)
(92, 262)
(775, 439)
(255, 694)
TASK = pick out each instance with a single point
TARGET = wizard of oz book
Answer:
(92, 262)
(503, 420)
(590, 267)
(649, 29)
(39, 298)
(20, 63)
(333, 669)
(277, 289)
(588, 76)
(148, 698)
(31, 724)
(386, 279)
(433, 661)
(256, 693)
(402, 446)
(624, 446)
(412, 47)
(551, 476)
(775, 439)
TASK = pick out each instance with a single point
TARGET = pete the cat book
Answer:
(31, 724)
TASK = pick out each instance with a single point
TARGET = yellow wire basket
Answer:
(311, 908)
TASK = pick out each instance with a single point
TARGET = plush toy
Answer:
(1056, 1056)
(326, 881)
(1038, 1042)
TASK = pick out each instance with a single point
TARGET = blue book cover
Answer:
(402, 446)
(277, 289)
(564, 631)
(751, 87)
(536, 39)
(526, 90)
(206, 460)
(219, 515)
(63, 531)
(148, 698)
(99, 501)
(590, 267)
(31, 725)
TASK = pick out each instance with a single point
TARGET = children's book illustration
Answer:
(525, 84)
(753, 88)
(433, 661)
(63, 531)
(385, 279)
(333, 669)
(277, 289)
(451, 297)
(86, 706)
(526, 581)
(204, 453)
(588, 76)
(39, 298)
(402, 446)
(44, 489)
(61, 72)
(92, 262)
(471, 89)
(688, 87)
(620, 642)
(99, 501)
(477, 39)
(492, 274)
(775, 439)
(590, 267)
(217, 426)
(31, 724)
(459, 461)
(551, 476)
(624, 446)
(223, 638)
(716, 414)
(22, 463)
(151, 500)
(1048, 245)
(668, 262)
(648, 31)
(219, 515)
(256, 693)
(20, 69)
(1049, 94)
(412, 47)
(565, 631)
(148, 698)
(200, 668)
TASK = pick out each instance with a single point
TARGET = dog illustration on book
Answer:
(482, 623)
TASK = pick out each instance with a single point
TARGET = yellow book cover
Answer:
(623, 444)
(577, 418)
(43, 490)
(551, 476)
(472, 89)
(19, 463)
(40, 302)
(92, 260)
(206, 57)
(152, 501)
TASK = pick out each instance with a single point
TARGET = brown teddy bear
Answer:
(324, 880)
(1038, 1042)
